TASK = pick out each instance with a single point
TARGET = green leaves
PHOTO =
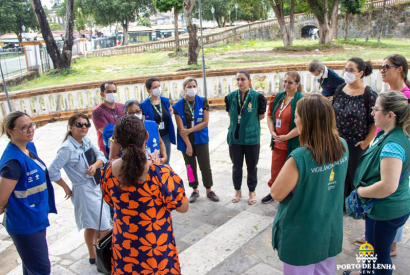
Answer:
(167, 5)
(14, 14)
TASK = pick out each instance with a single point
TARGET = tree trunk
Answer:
(379, 35)
(326, 29)
(291, 31)
(346, 18)
(193, 44)
(369, 30)
(125, 31)
(177, 46)
(277, 7)
(20, 37)
(333, 21)
(69, 29)
(59, 60)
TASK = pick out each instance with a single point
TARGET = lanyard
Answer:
(241, 106)
(281, 109)
(155, 107)
(321, 83)
(191, 108)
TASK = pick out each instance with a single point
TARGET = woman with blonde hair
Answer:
(281, 116)
(309, 189)
(383, 175)
(192, 117)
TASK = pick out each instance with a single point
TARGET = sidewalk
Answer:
(212, 238)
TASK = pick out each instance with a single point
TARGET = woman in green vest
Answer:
(245, 108)
(308, 227)
(383, 174)
(281, 117)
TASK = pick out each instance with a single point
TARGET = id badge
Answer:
(278, 123)
(192, 124)
(239, 119)
(161, 125)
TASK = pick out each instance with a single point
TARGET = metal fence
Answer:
(13, 63)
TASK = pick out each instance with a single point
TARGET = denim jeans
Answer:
(167, 141)
(380, 234)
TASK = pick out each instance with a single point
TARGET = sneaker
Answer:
(212, 196)
(194, 196)
(267, 199)
(92, 261)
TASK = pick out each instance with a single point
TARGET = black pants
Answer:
(354, 155)
(251, 153)
(33, 251)
(200, 154)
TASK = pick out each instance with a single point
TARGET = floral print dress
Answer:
(143, 239)
(352, 120)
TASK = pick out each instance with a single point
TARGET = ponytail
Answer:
(71, 122)
(399, 104)
(129, 133)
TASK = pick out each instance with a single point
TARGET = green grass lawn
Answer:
(243, 54)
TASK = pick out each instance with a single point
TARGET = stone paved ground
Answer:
(212, 238)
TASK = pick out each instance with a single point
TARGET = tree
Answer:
(107, 12)
(351, 7)
(251, 10)
(193, 43)
(379, 35)
(167, 5)
(55, 26)
(278, 8)
(327, 18)
(14, 14)
(369, 29)
(61, 60)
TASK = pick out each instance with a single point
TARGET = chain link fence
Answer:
(13, 62)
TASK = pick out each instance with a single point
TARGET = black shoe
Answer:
(92, 261)
(212, 196)
(194, 196)
(267, 199)
(100, 271)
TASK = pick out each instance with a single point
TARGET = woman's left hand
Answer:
(91, 170)
(363, 145)
(282, 138)
(184, 132)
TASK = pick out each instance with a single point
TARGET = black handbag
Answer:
(103, 247)
(91, 159)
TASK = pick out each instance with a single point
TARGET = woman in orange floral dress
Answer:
(143, 194)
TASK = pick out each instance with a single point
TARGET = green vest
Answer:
(308, 226)
(250, 129)
(294, 142)
(368, 172)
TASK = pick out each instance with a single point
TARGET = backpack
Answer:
(366, 96)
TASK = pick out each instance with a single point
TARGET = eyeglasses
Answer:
(289, 82)
(81, 124)
(133, 113)
(241, 79)
(385, 67)
(25, 128)
(348, 70)
(375, 109)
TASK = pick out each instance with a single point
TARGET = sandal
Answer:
(236, 198)
(251, 200)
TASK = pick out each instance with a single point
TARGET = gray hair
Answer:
(130, 103)
(9, 122)
(315, 66)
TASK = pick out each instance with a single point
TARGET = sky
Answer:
(47, 3)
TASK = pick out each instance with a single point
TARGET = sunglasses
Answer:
(385, 67)
(81, 124)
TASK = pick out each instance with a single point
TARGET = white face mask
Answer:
(319, 76)
(191, 92)
(350, 77)
(138, 115)
(111, 97)
(156, 92)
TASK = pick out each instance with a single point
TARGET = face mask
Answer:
(111, 98)
(156, 92)
(191, 92)
(138, 115)
(350, 77)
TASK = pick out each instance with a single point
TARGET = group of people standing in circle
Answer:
(323, 147)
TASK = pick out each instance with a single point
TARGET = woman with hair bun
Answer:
(352, 103)
(143, 194)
